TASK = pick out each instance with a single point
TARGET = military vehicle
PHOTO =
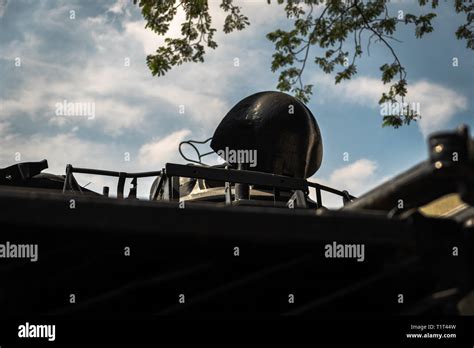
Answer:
(247, 237)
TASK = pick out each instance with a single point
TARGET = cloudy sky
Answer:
(46, 57)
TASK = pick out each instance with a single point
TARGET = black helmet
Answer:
(279, 128)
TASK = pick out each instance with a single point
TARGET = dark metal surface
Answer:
(281, 130)
(190, 251)
(242, 191)
(51, 209)
(21, 172)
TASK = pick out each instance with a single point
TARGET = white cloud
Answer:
(3, 7)
(438, 104)
(361, 90)
(4, 127)
(103, 77)
(149, 39)
(60, 150)
(159, 151)
(112, 113)
(119, 7)
(356, 178)
(118, 116)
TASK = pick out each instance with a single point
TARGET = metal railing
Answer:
(69, 180)
(173, 172)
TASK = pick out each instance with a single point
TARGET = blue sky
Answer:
(82, 60)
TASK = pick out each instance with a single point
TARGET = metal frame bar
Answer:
(174, 171)
(320, 187)
(236, 176)
(121, 175)
(252, 178)
(346, 197)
